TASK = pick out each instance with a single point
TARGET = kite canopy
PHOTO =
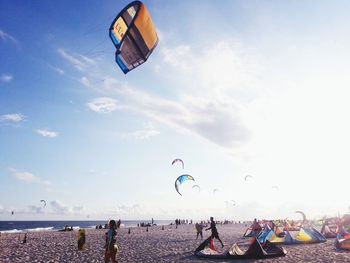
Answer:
(134, 36)
(44, 202)
(303, 214)
(197, 187)
(343, 242)
(181, 179)
(247, 176)
(178, 160)
(254, 251)
(304, 236)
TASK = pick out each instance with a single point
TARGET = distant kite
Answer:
(133, 35)
(181, 179)
(13, 212)
(303, 214)
(246, 177)
(197, 187)
(178, 160)
(230, 203)
(43, 201)
(275, 187)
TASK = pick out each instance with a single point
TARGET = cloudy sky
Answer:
(234, 88)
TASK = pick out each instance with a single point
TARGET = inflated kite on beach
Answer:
(236, 251)
(133, 35)
(181, 179)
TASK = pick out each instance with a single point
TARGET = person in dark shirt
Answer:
(214, 231)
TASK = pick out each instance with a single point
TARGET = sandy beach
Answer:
(156, 245)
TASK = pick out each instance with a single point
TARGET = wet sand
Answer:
(156, 245)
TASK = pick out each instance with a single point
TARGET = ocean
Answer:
(33, 226)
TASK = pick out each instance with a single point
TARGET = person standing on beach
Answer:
(199, 228)
(214, 231)
(111, 248)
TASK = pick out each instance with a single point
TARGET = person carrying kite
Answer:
(214, 231)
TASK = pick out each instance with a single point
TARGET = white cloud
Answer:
(77, 210)
(57, 69)
(2, 209)
(217, 121)
(85, 81)
(46, 183)
(80, 62)
(221, 79)
(213, 89)
(92, 172)
(12, 117)
(132, 210)
(6, 78)
(47, 133)
(7, 37)
(26, 177)
(179, 56)
(147, 132)
(35, 209)
(103, 105)
(59, 208)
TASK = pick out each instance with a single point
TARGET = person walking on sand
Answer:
(214, 231)
(199, 228)
(111, 248)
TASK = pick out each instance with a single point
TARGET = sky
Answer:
(233, 88)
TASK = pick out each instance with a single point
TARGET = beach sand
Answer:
(156, 245)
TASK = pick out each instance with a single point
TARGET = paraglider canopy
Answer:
(44, 202)
(134, 36)
(181, 179)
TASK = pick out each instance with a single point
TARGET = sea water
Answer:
(35, 226)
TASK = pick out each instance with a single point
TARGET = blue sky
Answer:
(236, 88)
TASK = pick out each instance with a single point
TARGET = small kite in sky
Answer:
(197, 187)
(178, 160)
(181, 179)
(247, 176)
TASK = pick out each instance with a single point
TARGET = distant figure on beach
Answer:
(340, 228)
(214, 231)
(81, 239)
(24, 239)
(256, 228)
(199, 228)
(255, 225)
(111, 248)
